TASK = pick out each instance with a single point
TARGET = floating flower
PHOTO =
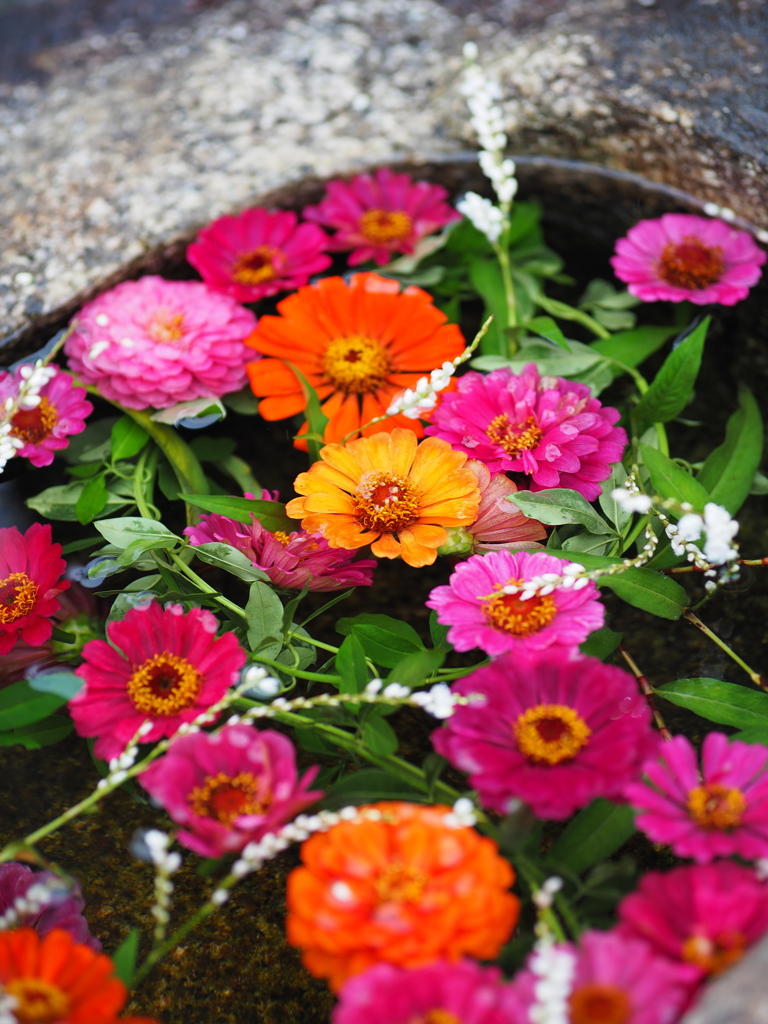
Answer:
(680, 256)
(230, 787)
(548, 428)
(31, 568)
(258, 253)
(376, 215)
(291, 560)
(388, 491)
(706, 915)
(486, 604)
(407, 889)
(160, 665)
(720, 811)
(554, 731)
(156, 343)
(62, 907)
(45, 427)
(358, 345)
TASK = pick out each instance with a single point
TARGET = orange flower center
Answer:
(226, 798)
(17, 597)
(166, 326)
(513, 438)
(356, 364)
(551, 733)
(716, 806)
(400, 883)
(255, 267)
(282, 537)
(385, 502)
(34, 425)
(37, 1001)
(600, 1004)
(510, 614)
(439, 1016)
(164, 685)
(714, 955)
(690, 264)
(382, 227)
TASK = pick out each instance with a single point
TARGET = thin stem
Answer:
(205, 587)
(647, 689)
(534, 877)
(310, 640)
(695, 568)
(313, 677)
(509, 289)
(756, 678)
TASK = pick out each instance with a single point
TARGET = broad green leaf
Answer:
(350, 665)
(127, 439)
(729, 470)
(560, 505)
(21, 705)
(414, 669)
(271, 514)
(121, 532)
(39, 734)
(487, 281)
(92, 500)
(593, 835)
(124, 957)
(380, 737)
(213, 449)
(547, 328)
(438, 633)
(384, 639)
(243, 402)
(60, 501)
(756, 734)
(369, 785)
(631, 348)
(671, 480)
(615, 512)
(133, 552)
(93, 444)
(62, 684)
(718, 701)
(229, 558)
(585, 542)
(600, 644)
(548, 358)
(672, 387)
(264, 615)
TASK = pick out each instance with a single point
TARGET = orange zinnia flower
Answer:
(388, 491)
(55, 980)
(357, 344)
(406, 890)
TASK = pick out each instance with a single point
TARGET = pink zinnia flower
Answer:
(63, 910)
(442, 993)
(716, 812)
(706, 915)
(376, 215)
(160, 665)
(554, 730)
(548, 428)
(61, 411)
(31, 568)
(680, 256)
(258, 253)
(291, 560)
(500, 525)
(230, 787)
(156, 343)
(483, 604)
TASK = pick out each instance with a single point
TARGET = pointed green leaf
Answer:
(128, 438)
(124, 957)
(264, 615)
(718, 701)
(729, 470)
(350, 665)
(271, 514)
(593, 835)
(671, 480)
(560, 505)
(672, 387)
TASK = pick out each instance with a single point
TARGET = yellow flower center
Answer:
(37, 1001)
(439, 1016)
(512, 437)
(386, 502)
(34, 425)
(382, 227)
(691, 264)
(164, 685)
(600, 1004)
(714, 955)
(282, 537)
(510, 614)
(166, 326)
(399, 883)
(17, 597)
(551, 733)
(716, 806)
(356, 364)
(226, 798)
(255, 267)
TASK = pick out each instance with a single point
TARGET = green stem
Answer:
(534, 877)
(144, 474)
(310, 640)
(313, 677)
(756, 678)
(509, 289)
(205, 587)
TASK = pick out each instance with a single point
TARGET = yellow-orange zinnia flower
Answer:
(406, 889)
(388, 491)
(357, 344)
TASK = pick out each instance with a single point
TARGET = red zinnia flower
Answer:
(31, 568)
(45, 429)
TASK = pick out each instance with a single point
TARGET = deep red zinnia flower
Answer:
(31, 568)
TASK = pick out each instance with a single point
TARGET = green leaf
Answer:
(756, 734)
(271, 514)
(39, 734)
(415, 669)
(729, 470)
(60, 501)
(213, 449)
(20, 705)
(200, 412)
(380, 737)
(547, 328)
(672, 387)
(123, 531)
(63, 684)
(124, 957)
(718, 701)
(243, 402)
(93, 444)
(560, 505)
(92, 500)
(438, 633)
(350, 665)
(385, 640)
(128, 438)
(264, 615)
(593, 835)
(548, 359)
(585, 542)
(369, 785)
(671, 480)
(226, 557)
(316, 418)
(486, 279)
(631, 348)
(615, 512)
(601, 644)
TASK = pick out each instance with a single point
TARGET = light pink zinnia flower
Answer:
(31, 568)
(500, 525)
(554, 731)
(720, 811)
(160, 664)
(484, 606)
(230, 787)
(706, 915)
(680, 256)
(548, 428)
(258, 253)
(63, 910)
(376, 215)
(45, 429)
(155, 343)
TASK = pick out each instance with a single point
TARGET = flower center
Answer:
(37, 1001)
(399, 883)
(551, 733)
(226, 798)
(282, 537)
(716, 806)
(512, 437)
(356, 364)
(35, 425)
(691, 264)
(600, 1004)
(385, 226)
(17, 597)
(510, 614)
(385, 502)
(166, 326)
(257, 266)
(714, 955)
(439, 1016)
(164, 685)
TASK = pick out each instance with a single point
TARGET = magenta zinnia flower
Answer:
(230, 787)
(258, 253)
(554, 731)
(63, 910)
(716, 812)
(484, 606)
(61, 411)
(376, 215)
(31, 568)
(680, 256)
(160, 665)
(548, 428)
(156, 343)
(706, 915)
